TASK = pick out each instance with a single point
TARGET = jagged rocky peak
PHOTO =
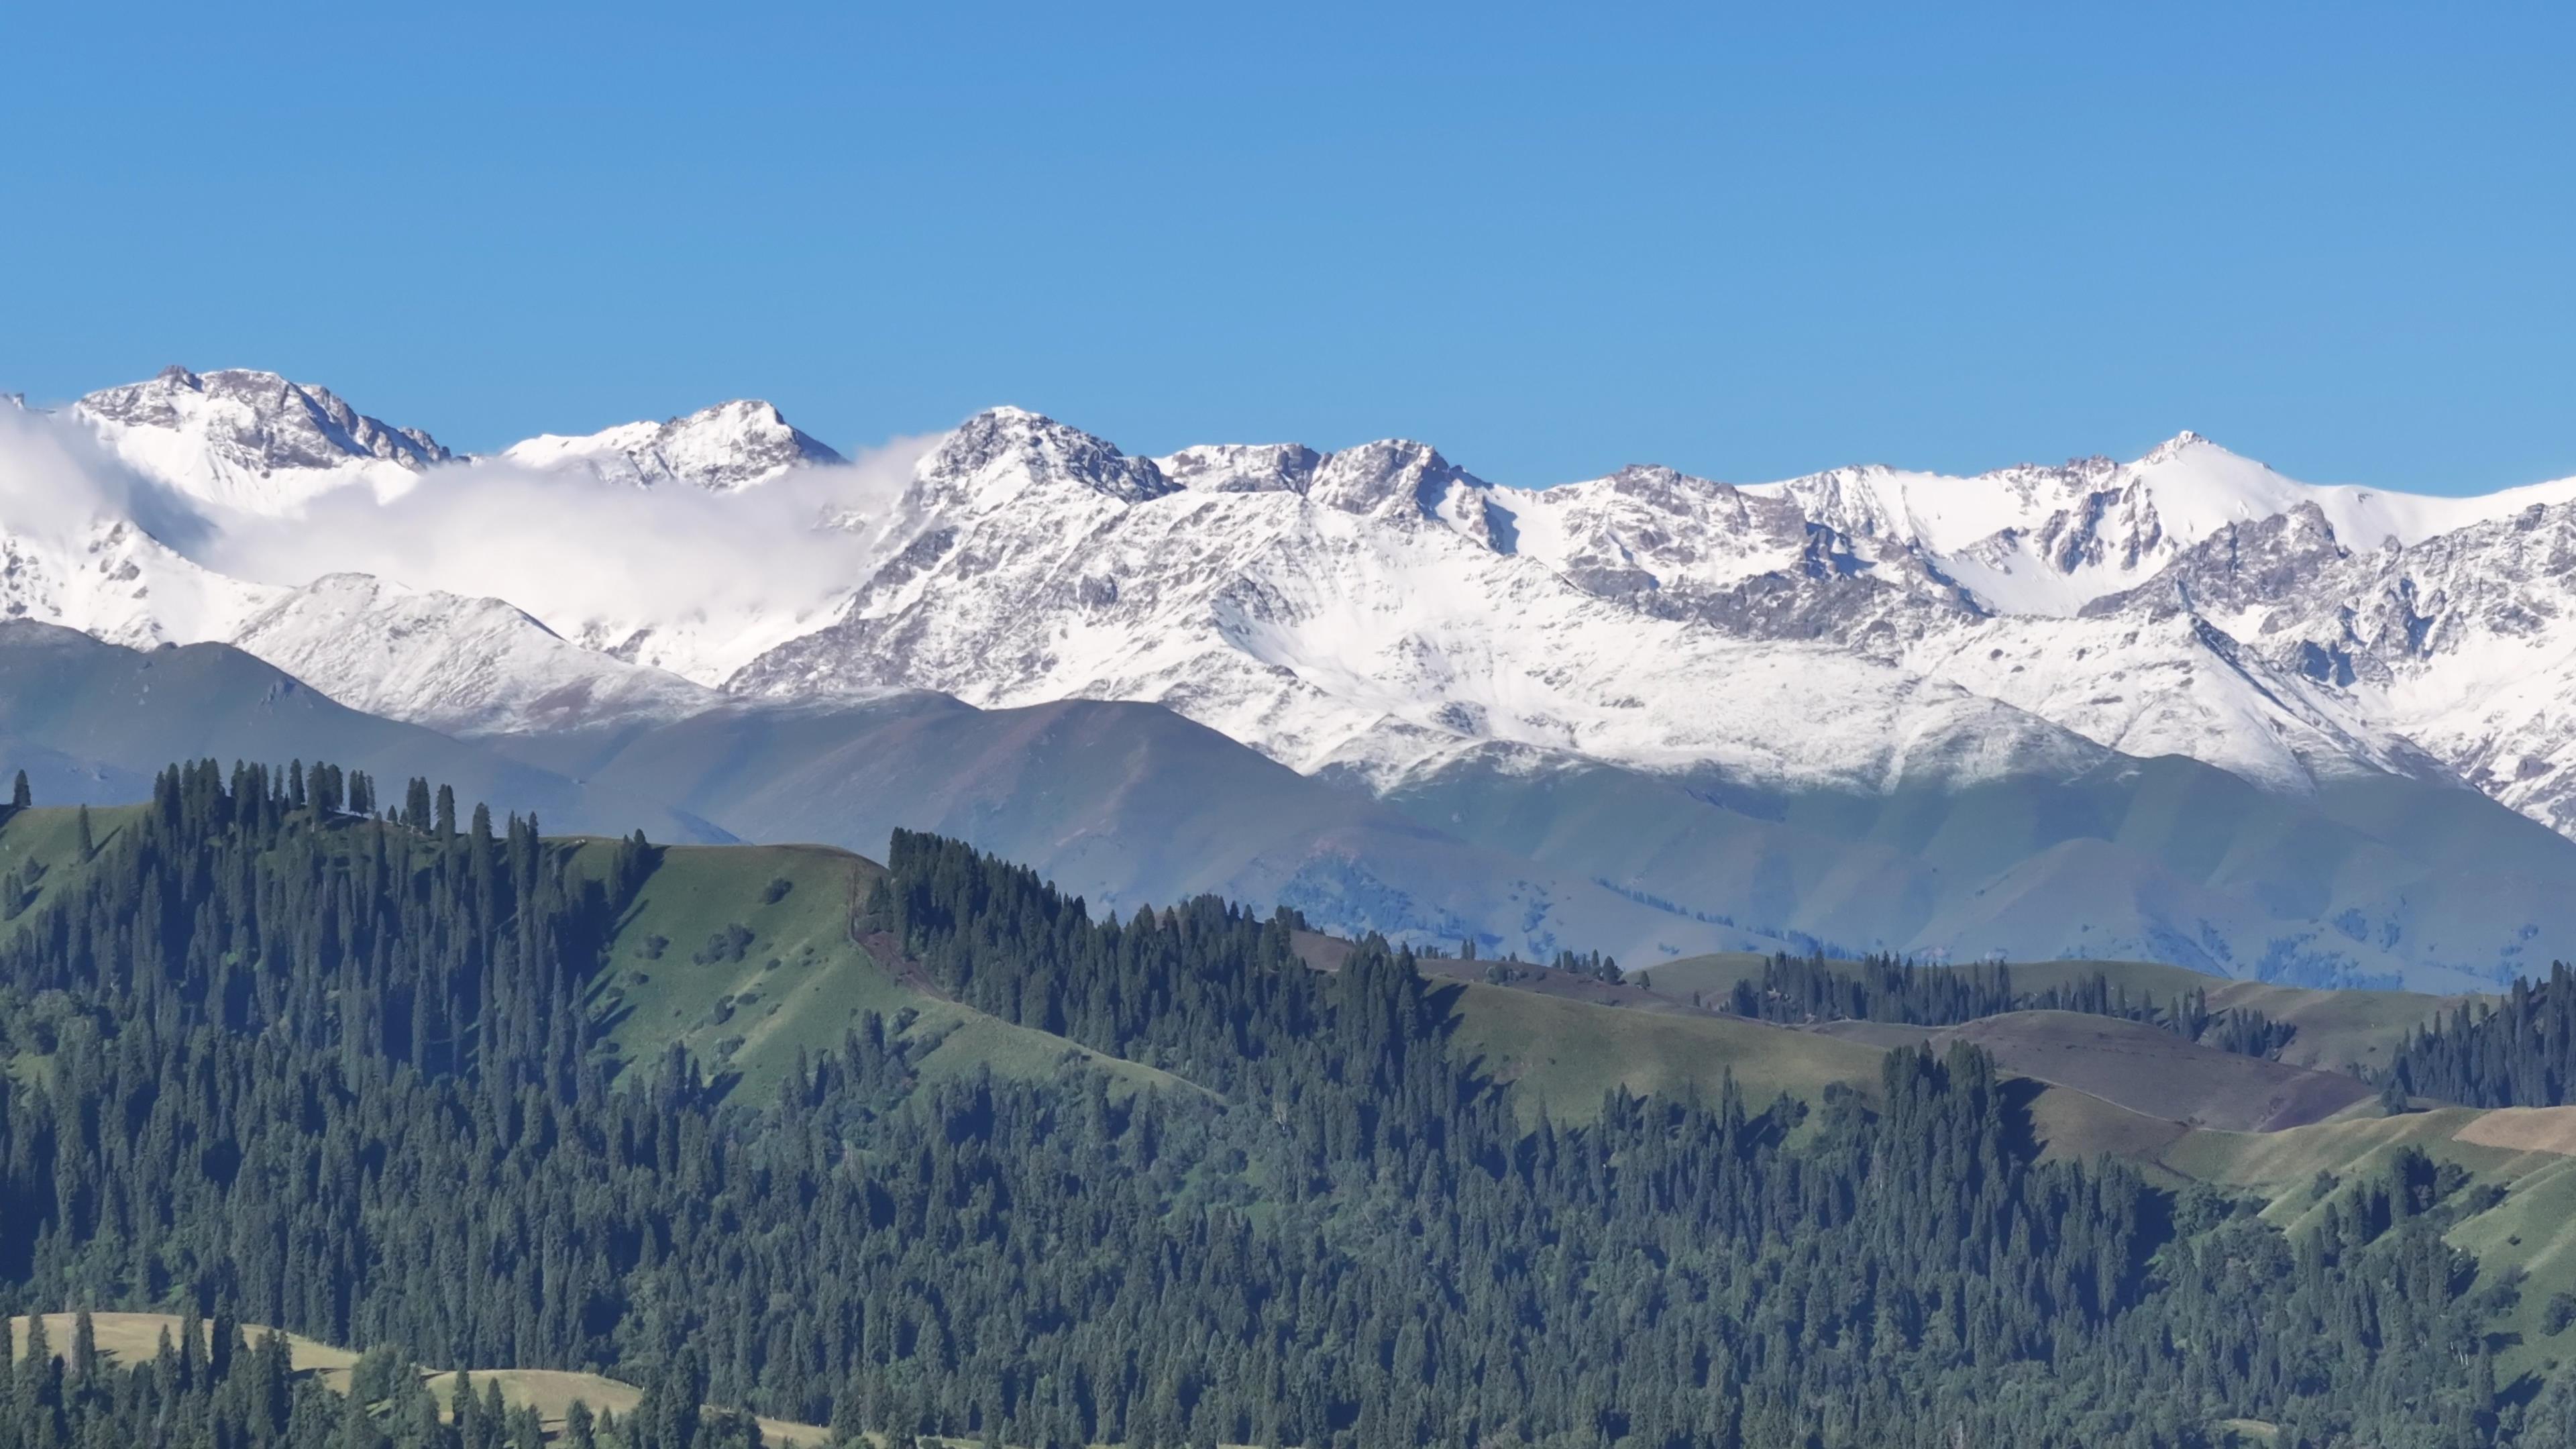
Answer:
(2256, 561)
(1003, 452)
(1389, 477)
(722, 448)
(1392, 477)
(1243, 467)
(1674, 526)
(260, 419)
(2038, 482)
(1657, 483)
(2509, 579)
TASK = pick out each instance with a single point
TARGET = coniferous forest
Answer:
(2520, 1052)
(286, 1056)
(1883, 988)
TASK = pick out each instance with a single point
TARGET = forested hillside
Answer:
(2521, 1052)
(2214, 1011)
(424, 1082)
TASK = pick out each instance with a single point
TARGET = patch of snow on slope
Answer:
(2164, 682)
(460, 665)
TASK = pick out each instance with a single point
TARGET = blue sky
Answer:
(1746, 243)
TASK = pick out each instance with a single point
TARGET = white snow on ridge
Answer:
(732, 445)
(2149, 683)
(1375, 607)
(253, 441)
(1654, 523)
(2042, 540)
(1363, 622)
(464, 666)
(120, 584)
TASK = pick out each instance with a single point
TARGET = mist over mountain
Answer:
(2178, 707)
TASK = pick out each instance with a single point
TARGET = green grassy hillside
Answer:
(743, 955)
(2527, 1153)
(705, 957)
(2336, 1030)
(128, 1339)
(2120, 1097)
(42, 845)
(1564, 1055)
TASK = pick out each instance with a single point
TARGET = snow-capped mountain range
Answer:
(1376, 614)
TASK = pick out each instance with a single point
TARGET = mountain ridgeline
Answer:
(1882, 988)
(2178, 708)
(351, 1075)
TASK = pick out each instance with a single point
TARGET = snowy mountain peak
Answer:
(252, 440)
(732, 445)
(1001, 453)
(2176, 446)
(283, 424)
(1243, 467)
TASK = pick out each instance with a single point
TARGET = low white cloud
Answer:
(57, 483)
(713, 576)
(572, 549)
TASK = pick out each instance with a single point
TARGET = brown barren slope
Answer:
(2150, 1070)
(2523, 1129)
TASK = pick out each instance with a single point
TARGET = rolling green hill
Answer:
(2144, 1068)
(1332, 1118)
(706, 959)
(1563, 1056)
(743, 955)
(2335, 1029)
(91, 721)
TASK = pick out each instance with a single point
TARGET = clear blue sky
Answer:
(2339, 238)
